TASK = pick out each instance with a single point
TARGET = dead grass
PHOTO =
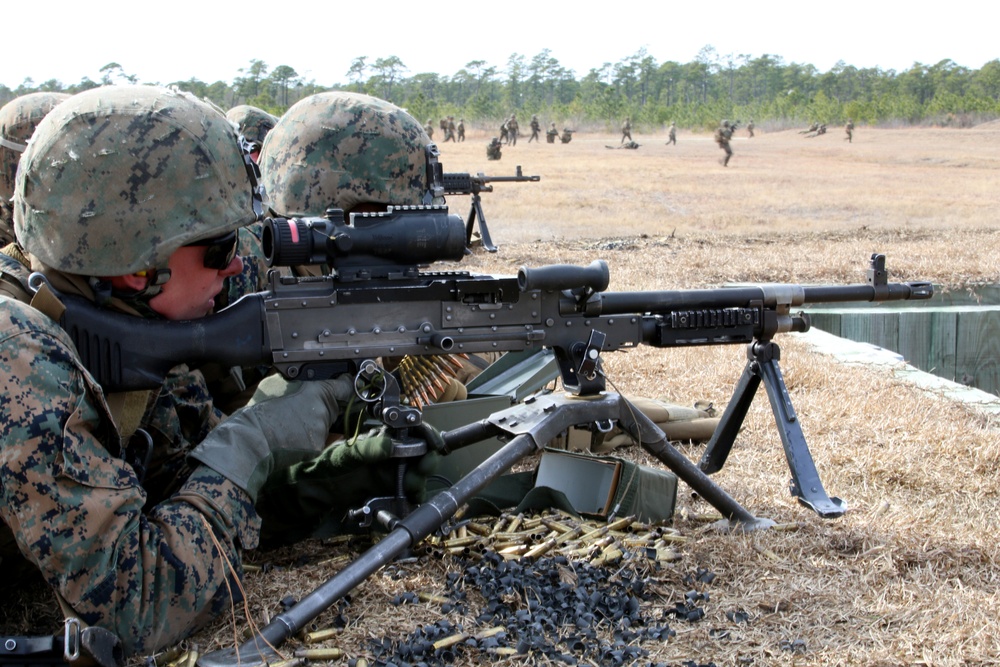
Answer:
(910, 574)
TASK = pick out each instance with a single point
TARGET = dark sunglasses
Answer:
(219, 250)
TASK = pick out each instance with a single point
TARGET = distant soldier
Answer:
(443, 124)
(429, 129)
(567, 135)
(461, 129)
(504, 134)
(626, 130)
(253, 124)
(818, 131)
(449, 129)
(493, 149)
(630, 145)
(849, 130)
(672, 137)
(536, 128)
(812, 128)
(551, 134)
(750, 128)
(722, 137)
(18, 120)
(512, 130)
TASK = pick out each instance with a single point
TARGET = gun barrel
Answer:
(768, 294)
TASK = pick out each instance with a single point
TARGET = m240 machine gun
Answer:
(379, 302)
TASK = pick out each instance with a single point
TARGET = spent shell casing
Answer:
(540, 549)
(461, 541)
(478, 528)
(321, 635)
(191, 658)
(450, 641)
(490, 632)
(320, 653)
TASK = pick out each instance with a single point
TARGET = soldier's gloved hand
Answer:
(419, 472)
(284, 423)
(346, 475)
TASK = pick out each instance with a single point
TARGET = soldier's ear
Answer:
(133, 282)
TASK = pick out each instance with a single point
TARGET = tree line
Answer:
(696, 94)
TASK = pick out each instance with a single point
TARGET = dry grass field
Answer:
(911, 574)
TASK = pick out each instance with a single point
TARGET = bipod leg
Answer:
(476, 210)
(654, 441)
(731, 422)
(805, 484)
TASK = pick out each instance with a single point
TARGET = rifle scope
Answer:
(403, 235)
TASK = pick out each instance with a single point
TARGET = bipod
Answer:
(762, 366)
(476, 210)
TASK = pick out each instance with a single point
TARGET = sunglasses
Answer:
(219, 250)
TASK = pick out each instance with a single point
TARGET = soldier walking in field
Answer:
(536, 128)
(750, 129)
(551, 134)
(672, 137)
(461, 129)
(512, 130)
(849, 130)
(723, 135)
(626, 130)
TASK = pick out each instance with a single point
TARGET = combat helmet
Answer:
(117, 178)
(18, 120)
(252, 123)
(339, 149)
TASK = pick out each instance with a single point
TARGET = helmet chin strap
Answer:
(104, 291)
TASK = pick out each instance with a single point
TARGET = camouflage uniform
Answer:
(750, 128)
(512, 130)
(429, 129)
(461, 129)
(723, 134)
(849, 131)
(672, 137)
(626, 130)
(253, 124)
(551, 134)
(449, 130)
(493, 149)
(536, 128)
(567, 135)
(145, 557)
(18, 119)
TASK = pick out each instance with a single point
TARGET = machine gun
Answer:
(467, 184)
(320, 327)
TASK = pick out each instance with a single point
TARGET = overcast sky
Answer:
(211, 40)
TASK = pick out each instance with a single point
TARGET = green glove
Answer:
(343, 477)
(284, 423)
